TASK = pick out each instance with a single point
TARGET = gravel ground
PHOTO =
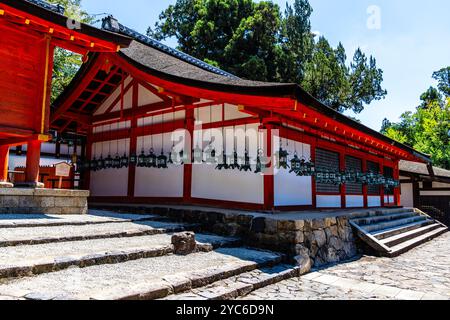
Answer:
(422, 273)
(128, 277)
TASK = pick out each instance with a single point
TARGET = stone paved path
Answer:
(423, 273)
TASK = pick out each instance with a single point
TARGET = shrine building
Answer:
(129, 103)
(162, 127)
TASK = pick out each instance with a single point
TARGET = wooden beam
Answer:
(80, 88)
(128, 114)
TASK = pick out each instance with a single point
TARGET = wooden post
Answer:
(269, 181)
(133, 142)
(32, 169)
(365, 186)
(342, 167)
(4, 158)
(187, 184)
(397, 195)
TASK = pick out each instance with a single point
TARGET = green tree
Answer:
(426, 129)
(443, 78)
(66, 63)
(256, 41)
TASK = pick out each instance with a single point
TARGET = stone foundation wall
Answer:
(324, 241)
(43, 201)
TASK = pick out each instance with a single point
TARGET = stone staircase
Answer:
(110, 256)
(392, 232)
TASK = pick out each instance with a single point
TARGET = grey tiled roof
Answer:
(421, 169)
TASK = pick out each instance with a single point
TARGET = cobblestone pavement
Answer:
(423, 273)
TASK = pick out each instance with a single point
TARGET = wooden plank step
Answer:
(406, 236)
(390, 232)
(408, 245)
(376, 219)
(391, 224)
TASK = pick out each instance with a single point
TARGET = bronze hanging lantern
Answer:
(108, 162)
(101, 163)
(151, 160)
(246, 166)
(141, 159)
(235, 163)
(162, 160)
(124, 161)
(258, 162)
(133, 159)
(210, 155)
(94, 164)
(283, 159)
(116, 162)
(296, 164)
(224, 165)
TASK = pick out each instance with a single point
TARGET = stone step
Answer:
(391, 224)
(240, 285)
(143, 279)
(41, 235)
(394, 210)
(410, 244)
(406, 236)
(376, 219)
(378, 213)
(37, 259)
(390, 232)
(31, 221)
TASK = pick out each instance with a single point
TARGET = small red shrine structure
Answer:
(30, 31)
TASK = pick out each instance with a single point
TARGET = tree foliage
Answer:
(428, 128)
(66, 63)
(258, 42)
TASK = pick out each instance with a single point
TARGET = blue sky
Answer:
(413, 40)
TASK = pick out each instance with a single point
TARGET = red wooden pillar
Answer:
(133, 142)
(365, 186)
(269, 179)
(4, 159)
(187, 182)
(397, 195)
(87, 173)
(32, 169)
(313, 178)
(343, 187)
(382, 187)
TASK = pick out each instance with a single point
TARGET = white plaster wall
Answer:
(127, 99)
(328, 201)
(354, 201)
(153, 182)
(112, 127)
(227, 185)
(147, 97)
(165, 183)
(291, 190)
(407, 196)
(374, 201)
(48, 148)
(110, 182)
(214, 113)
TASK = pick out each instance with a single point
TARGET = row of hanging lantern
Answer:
(298, 165)
(327, 176)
